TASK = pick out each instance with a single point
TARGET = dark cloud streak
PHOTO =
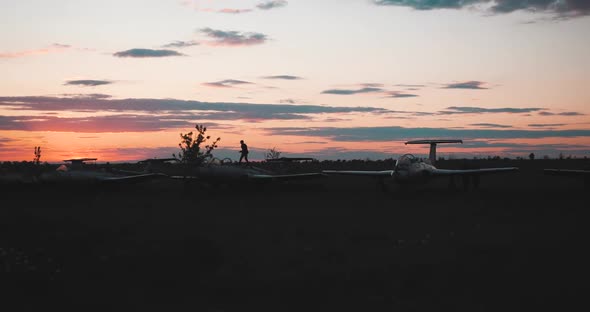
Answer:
(190, 109)
(397, 94)
(97, 124)
(234, 11)
(283, 77)
(351, 92)
(87, 82)
(545, 113)
(271, 4)
(474, 85)
(181, 44)
(370, 134)
(480, 110)
(410, 85)
(490, 125)
(233, 38)
(546, 125)
(228, 83)
(145, 53)
(560, 8)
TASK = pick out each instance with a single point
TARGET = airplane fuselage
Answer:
(74, 176)
(220, 173)
(419, 172)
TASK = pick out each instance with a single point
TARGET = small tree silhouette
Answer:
(190, 146)
(37, 158)
(532, 156)
(273, 153)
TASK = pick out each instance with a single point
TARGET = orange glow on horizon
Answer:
(116, 147)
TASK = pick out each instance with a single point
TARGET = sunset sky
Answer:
(332, 79)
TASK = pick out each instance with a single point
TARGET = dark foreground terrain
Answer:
(333, 244)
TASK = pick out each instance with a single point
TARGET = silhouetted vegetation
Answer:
(273, 153)
(37, 155)
(190, 146)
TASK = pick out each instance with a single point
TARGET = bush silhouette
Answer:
(273, 153)
(190, 146)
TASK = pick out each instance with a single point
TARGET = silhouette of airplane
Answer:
(217, 171)
(567, 172)
(151, 165)
(74, 172)
(291, 159)
(574, 173)
(412, 170)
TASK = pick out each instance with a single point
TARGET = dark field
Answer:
(332, 244)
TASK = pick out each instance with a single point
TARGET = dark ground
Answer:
(337, 243)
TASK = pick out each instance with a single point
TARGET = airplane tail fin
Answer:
(433, 143)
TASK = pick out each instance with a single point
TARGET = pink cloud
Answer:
(234, 11)
(56, 47)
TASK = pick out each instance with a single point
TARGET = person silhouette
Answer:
(244, 152)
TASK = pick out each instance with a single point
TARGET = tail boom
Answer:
(433, 143)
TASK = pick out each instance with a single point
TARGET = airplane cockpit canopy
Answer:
(218, 162)
(407, 159)
(214, 162)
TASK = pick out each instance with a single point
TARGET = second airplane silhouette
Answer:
(409, 169)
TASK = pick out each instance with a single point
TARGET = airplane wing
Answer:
(449, 172)
(296, 176)
(130, 172)
(384, 173)
(257, 177)
(567, 172)
(132, 178)
(184, 177)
